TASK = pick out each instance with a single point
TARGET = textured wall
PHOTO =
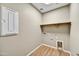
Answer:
(57, 16)
(57, 32)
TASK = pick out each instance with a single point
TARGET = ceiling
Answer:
(45, 7)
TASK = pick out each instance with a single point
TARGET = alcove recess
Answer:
(63, 27)
(56, 32)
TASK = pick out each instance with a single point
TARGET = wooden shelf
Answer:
(56, 23)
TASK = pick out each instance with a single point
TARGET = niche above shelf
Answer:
(56, 27)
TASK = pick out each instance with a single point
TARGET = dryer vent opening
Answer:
(59, 44)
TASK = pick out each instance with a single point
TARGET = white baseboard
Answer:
(4, 54)
(33, 50)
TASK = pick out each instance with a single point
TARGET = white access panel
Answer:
(9, 21)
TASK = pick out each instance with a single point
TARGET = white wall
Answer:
(57, 32)
(56, 16)
(61, 31)
(29, 36)
(74, 38)
(51, 38)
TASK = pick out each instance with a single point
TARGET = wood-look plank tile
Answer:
(47, 51)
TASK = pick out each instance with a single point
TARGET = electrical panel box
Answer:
(9, 21)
